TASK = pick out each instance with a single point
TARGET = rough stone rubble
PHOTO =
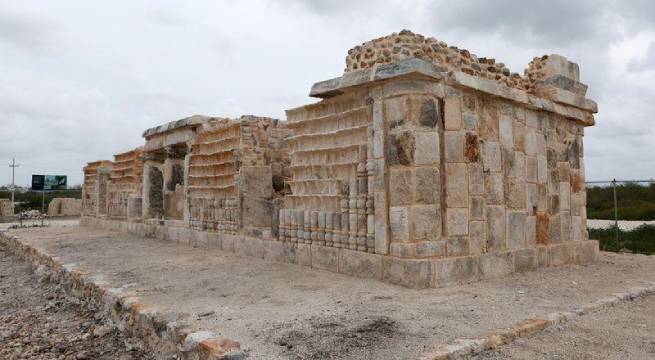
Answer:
(423, 165)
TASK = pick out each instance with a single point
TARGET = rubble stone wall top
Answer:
(406, 44)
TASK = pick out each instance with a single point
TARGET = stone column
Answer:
(187, 162)
(379, 184)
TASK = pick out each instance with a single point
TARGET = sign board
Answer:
(49, 182)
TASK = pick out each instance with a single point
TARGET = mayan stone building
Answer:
(94, 188)
(206, 172)
(448, 165)
(422, 165)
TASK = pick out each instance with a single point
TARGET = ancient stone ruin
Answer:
(125, 184)
(422, 165)
(6, 210)
(94, 188)
(64, 207)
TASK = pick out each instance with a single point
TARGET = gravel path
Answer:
(38, 321)
(626, 331)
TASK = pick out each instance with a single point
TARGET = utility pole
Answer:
(13, 167)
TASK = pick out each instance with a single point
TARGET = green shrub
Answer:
(640, 240)
(635, 202)
(31, 200)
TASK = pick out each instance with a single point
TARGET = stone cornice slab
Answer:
(411, 66)
(550, 98)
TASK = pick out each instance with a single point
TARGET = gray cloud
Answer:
(644, 63)
(123, 66)
(26, 31)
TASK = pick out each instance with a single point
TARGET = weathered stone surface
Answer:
(399, 223)
(525, 260)
(456, 270)
(425, 222)
(428, 186)
(496, 232)
(516, 227)
(407, 272)
(401, 148)
(360, 264)
(496, 264)
(490, 153)
(453, 147)
(456, 185)
(477, 208)
(325, 258)
(561, 254)
(476, 179)
(427, 148)
(477, 237)
(400, 182)
(495, 188)
(457, 246)
(453, 113)
(457, 222)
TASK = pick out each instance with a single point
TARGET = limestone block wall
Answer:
(6, 209)
(473, 171)
(329, 203)
(94, 188)
(231, 170)
(126, 180)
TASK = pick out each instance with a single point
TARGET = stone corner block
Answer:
(409, 273)
(586, 252)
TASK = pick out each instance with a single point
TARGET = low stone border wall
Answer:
(465, 348)
(412, 273)
(158, 333)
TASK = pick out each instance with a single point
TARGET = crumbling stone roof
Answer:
(406, 44)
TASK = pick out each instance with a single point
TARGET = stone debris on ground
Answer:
(38, 320)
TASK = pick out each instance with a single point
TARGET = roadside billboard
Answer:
(49, 182)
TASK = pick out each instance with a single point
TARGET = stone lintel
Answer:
(406, 67)
(191, 121)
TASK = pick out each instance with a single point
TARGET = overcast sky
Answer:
(80, 80)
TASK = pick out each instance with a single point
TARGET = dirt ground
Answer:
(283, 311)
(38, 321)
(626, 331)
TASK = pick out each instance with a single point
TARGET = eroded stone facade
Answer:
(94, 189)
(126, 181)
(423, 165)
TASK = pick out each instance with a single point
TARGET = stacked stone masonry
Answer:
(6, 210)
(126, 180)
(94, 188)
(423, 165)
